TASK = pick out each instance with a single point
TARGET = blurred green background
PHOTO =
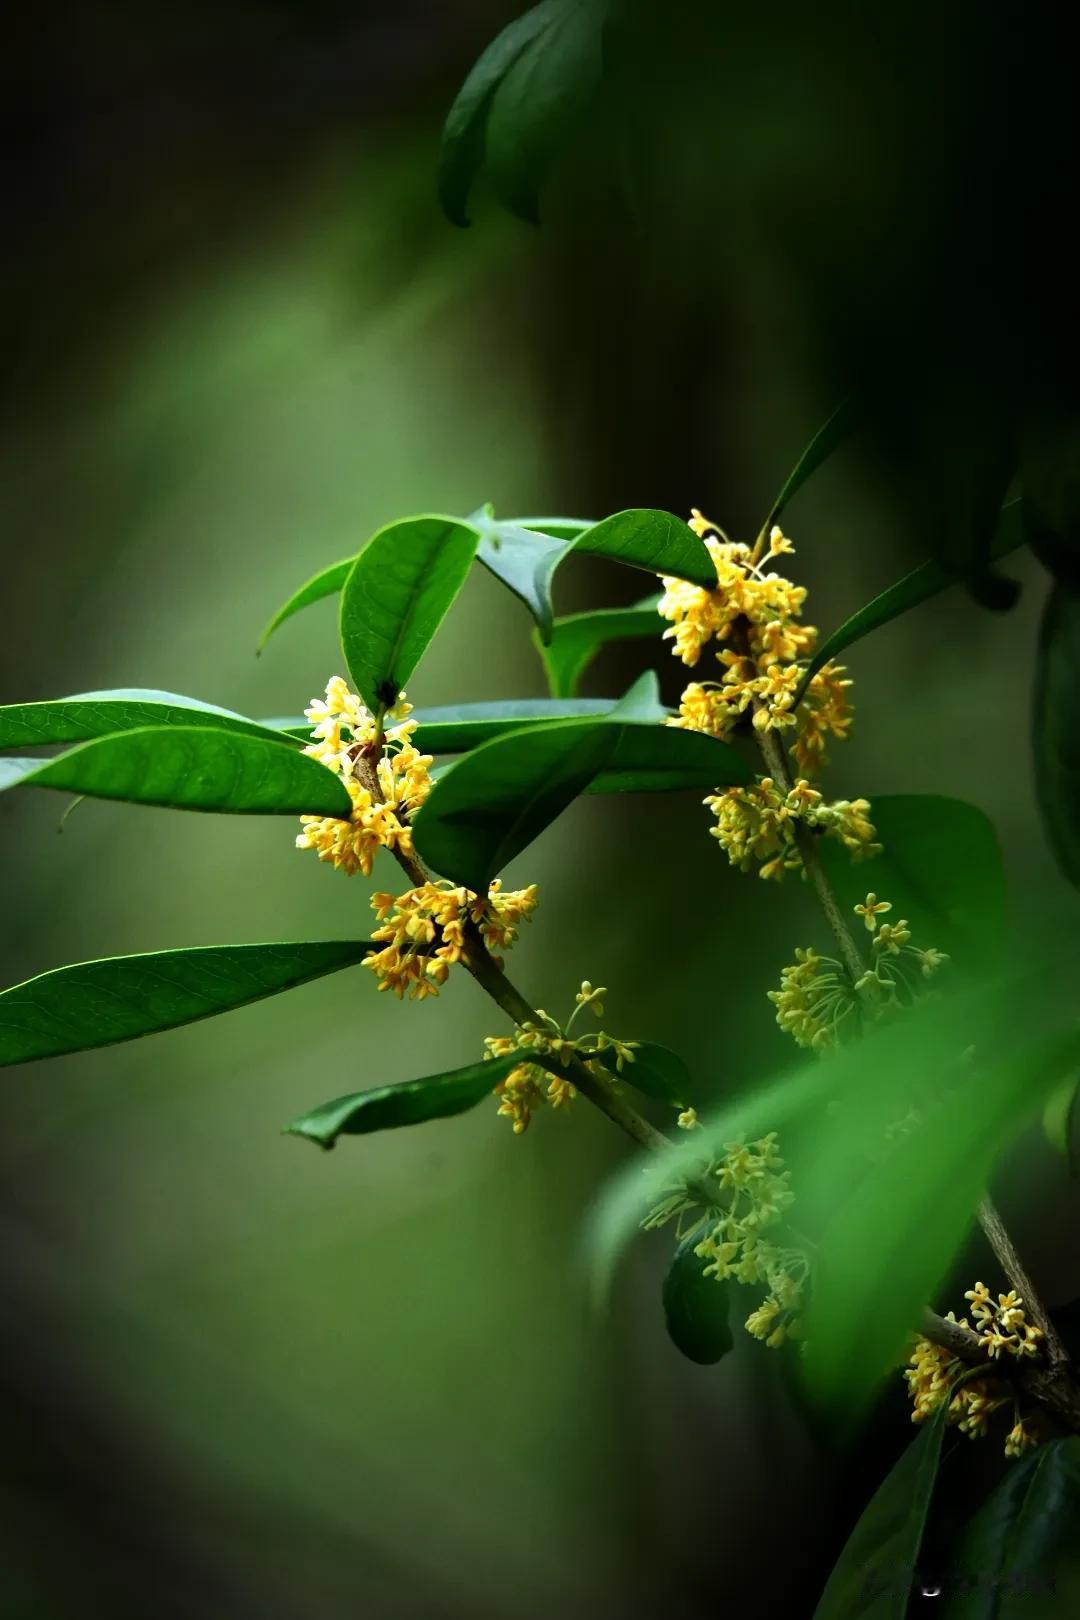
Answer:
(242, 1377)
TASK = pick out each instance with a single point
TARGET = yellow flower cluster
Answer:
(752, 1194)
(758, 615)
(424, 931)
(385, 793)
(819, 1005)
(759, 824)
(932, 1370)
(529, 1085)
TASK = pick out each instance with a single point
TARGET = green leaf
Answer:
(492, 803)
(456, 728)
(577, 638)
(194, 768)
(99, 714)
(119, 998)
(395, 597)
(463, 134)
(941, 869)
(874, 1576)
(525, 561)
(327, 582)
(413, 1102)
(655, 1072)
(829, 437)
(539, 100)
(652, 540)
(929, 579)
(1020, 1554)
(1056, 737)
(696, 1307)
(1058, 1118)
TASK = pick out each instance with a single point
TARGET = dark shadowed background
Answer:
(241, 1377)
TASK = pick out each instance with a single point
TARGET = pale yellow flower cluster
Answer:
(932, 1370)
(753, 1193)
(383, 806)
(530, 1085)
(758, 824)
(761, 612)
(424, 931)
(819, 1004)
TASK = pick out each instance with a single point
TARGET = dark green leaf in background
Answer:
(1056, 733)
(99, 714)
(455, 728)
(696, 1308)
(924, 582)
(195, 768)
(396, 596)
(829, 437)
(1059, 1116)
(874, 1576)
(941, 868)
(578, 637)
(1020, 1554)
(412, 1102)
(118, 998)
(655, 1072)
(525, 561)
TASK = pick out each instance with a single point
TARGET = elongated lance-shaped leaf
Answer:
(924, 582)
(193, 768)
(492, 803)
(874, 1577)
(412, 1102)
(327, 582)
(578, 637)
(463, 134)
(456, 728)
(99, 714)
(1020, 1554)
(91, 1004)
(395, 597)
(655, 541)
(525, 561)
(829, 437)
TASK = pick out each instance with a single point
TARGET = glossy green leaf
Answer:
(525, 561)
(413, 1102)
(924, 582)
(119, 998)
(578, 637)
(941, 869)
(696, 1308)
(492, 803)
(456, 728)
(1020, 1554)
(395, 597)
(829, 437)
(194, 768)
(99, 714)
(874, 1576)
(327, 582)
(1056, 736)
(651, 540)
(463, 134)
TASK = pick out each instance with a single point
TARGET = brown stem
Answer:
(1013, 1267)
(1050, 1384)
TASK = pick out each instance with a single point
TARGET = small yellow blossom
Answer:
(1021, 1438)
(871, 909)
(688, 1120)
(592, 998)
(423, 932)
(385, 793)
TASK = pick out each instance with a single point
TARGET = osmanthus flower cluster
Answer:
(740, 1230)
(530, 1085)
(819, 1004)
(423, 932)
(1004, 1332)
(756, 619)
(757, 824)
